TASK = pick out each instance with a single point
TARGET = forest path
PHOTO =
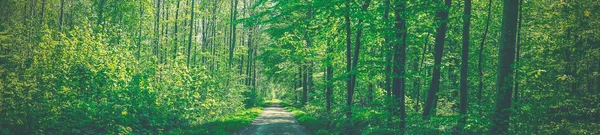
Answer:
(274, 120)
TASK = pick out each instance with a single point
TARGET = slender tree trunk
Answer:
(191, 33)
(233, 31)
(388, 59)
(517, 61)
(176, 46)
(399, 68)
(304, 89)
(42, 13)
(480, 62)
(421, 66)
(299, 84)
(329, 81)
(139, 43)
(62, 13)
(506, 58)
(349, 92)
(441, 17)
(464, 66)
(352, 69)
(156, 29)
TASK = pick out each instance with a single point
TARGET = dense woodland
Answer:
(350, 66)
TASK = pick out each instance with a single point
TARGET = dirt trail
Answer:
(274, 120)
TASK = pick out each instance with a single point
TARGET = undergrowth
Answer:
(228, 124)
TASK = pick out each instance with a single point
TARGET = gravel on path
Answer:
(274, 120)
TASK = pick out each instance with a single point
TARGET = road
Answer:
(274, 120)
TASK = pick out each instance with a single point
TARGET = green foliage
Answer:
(309, 122)
(228, 124)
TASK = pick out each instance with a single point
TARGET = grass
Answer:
(228, 124)
(309, 122)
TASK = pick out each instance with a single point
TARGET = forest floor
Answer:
(274, 120)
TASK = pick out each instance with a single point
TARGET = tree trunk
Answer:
(304, 90)
(189, 48)
(442, 17)
(388, 54)
(139, 43)
(62, 13)
(517, 61)
(349, 92)
(156, 29)
(500, 120)
(480, 62)
(329, 81)
(421, 66)
(233, 31)
(176, 46)
(399, 68)
(464, 66)
(353, 68)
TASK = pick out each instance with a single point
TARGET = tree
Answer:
(480, 61)
(399, 68)
(233, 31)
(176, 46)
(506, 58)
(464, 66)
(441, 17)
(189, 48)
(349, 90)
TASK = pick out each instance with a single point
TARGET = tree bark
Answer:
(329, 81)
(441, 17)
(62, 13)
(352, 69)
(506, 58)
(191, 33)
(233, 31)
(517, 61)
(399, 68)
(421, 66)
(349, 92)
(480, 62)
(464, 66)
(42, 13)
(304, 89)
(176, 46)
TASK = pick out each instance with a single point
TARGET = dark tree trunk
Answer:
(399, 68)
(480, 62)
(349, 92)
(464, 66)
(42, 13)
(506, 58)
(189, 48)
(388, 52)
(441, 17)
(304, 90)
(233, 31)
(329, 81)
(421, 66)
(517, 61)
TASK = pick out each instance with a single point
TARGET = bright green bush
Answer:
(77, 83)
